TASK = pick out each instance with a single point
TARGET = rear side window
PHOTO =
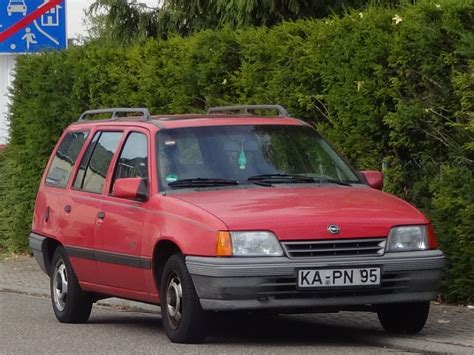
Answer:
(95, 163)
(65, 158)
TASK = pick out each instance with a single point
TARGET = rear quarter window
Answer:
(65, 158)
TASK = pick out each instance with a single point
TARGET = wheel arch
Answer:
(163, 250)
(49, 247)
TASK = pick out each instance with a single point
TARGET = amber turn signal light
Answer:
(224, 244)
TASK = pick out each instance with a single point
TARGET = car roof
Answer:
(160, 122)
(181, 121)
(216, 116)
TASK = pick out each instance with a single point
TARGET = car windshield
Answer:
(250, 154)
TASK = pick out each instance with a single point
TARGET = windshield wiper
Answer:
(260, 183)
(331, 181)
(202, 182)
(288, 178)
(281, 178)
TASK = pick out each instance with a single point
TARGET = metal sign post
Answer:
(30, 26)
(7, 65)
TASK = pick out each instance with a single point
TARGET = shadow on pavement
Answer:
(264, 330)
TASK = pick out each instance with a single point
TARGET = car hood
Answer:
(305, 212)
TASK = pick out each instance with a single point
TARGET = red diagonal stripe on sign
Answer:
(25, 21)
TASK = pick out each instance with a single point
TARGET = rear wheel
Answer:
(70, 303)
(182, 315)
(404, 318)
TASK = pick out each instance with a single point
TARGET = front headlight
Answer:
(258, 243)
(255, 244)
(408, 238)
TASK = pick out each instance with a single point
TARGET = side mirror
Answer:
(374, 179)
(131, 189)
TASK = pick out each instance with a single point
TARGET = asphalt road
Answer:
(27, 325)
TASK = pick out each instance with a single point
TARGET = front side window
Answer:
(242, 154)
(65, 158)
(96, 161)
(133, 160)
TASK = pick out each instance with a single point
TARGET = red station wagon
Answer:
(225, 211)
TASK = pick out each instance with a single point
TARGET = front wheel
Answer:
(182, 315)
(404, 318)
(70, 303)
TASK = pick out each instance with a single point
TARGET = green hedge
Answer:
(391, 88)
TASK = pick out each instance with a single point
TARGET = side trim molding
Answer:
(107, 257)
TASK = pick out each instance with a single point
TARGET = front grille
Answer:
(328, 248)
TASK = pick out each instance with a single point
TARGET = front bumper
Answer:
(270, 282)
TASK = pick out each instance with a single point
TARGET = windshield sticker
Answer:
(170, 143)
(171, 178)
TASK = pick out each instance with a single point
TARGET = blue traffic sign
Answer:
(28, 33)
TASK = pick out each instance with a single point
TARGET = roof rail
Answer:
(248, 108)
(115, 112)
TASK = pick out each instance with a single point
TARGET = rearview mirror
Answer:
(374, 179)
(131, 189)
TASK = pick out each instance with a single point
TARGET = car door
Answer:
(118, 239)
(82, 202)
(49, 214)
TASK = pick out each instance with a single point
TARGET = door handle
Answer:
(67, 209)
(101, 215)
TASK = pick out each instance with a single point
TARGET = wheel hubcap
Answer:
(60, 286)
(174, 300)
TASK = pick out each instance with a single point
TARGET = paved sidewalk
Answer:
(23, 275)
(450, 329)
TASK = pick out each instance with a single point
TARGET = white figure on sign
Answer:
(51, 18)
(16, 6)
(29, 37)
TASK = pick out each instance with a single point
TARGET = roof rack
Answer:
(115, 113)
(248, 109)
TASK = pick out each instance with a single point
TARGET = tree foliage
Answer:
(391, 88)
(130, 20)
(122, 20)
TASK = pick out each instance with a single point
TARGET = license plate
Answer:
(338, 277)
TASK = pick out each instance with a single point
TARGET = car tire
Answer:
(404, 318)
(70, 303)
(183, 318)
